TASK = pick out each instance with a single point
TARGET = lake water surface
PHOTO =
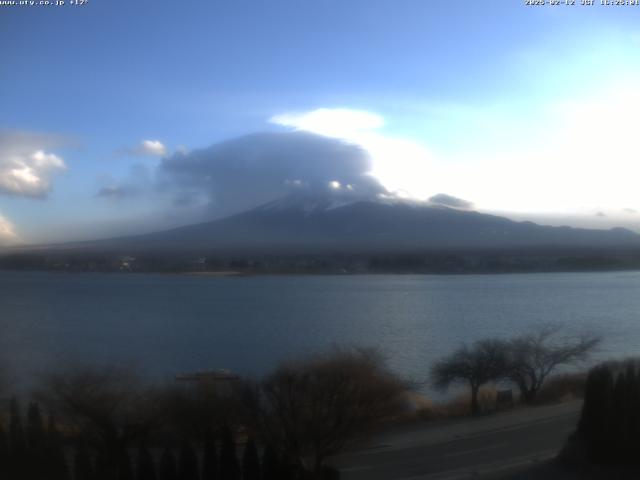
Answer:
(167, 324)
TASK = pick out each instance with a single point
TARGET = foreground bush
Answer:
(112, 426)
(310, 410)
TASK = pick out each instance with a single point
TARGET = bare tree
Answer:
(311, 409)
(108, 407)
(484, 361)
(532, 357)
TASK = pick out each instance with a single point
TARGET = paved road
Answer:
(482, 447)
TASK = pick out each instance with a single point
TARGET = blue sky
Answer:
(466, 98)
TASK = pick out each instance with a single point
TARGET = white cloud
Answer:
(570, 157)
(153, 148)
(26, 169)
(332, 122)
(8, 235)
(403, 166)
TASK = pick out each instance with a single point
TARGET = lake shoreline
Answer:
(239, 273)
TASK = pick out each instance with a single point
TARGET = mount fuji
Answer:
(308, 224)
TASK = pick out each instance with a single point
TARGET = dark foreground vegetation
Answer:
(95, 423)
(105, 424)
(605, 443)
(609, 426)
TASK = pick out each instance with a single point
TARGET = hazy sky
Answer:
(118, 116)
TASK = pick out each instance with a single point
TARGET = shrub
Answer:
(311, 409)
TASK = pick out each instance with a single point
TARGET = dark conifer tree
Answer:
(104, 468)
(188, 462)
(285, 470)
(250, 461)
(632, 401)
(626, 405)
(4, 453)
(617, 420)
(610, 421)
(17, 444)
(329, 473)
(16, 432)
(229, 469)
(82, 465)
(595, 421)
(55, 458)
(146, 467)
(209, 458)
(125, 471)
(168, 469)
(35, 429)
(636, 418)
(36, 442)
(270, 467)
